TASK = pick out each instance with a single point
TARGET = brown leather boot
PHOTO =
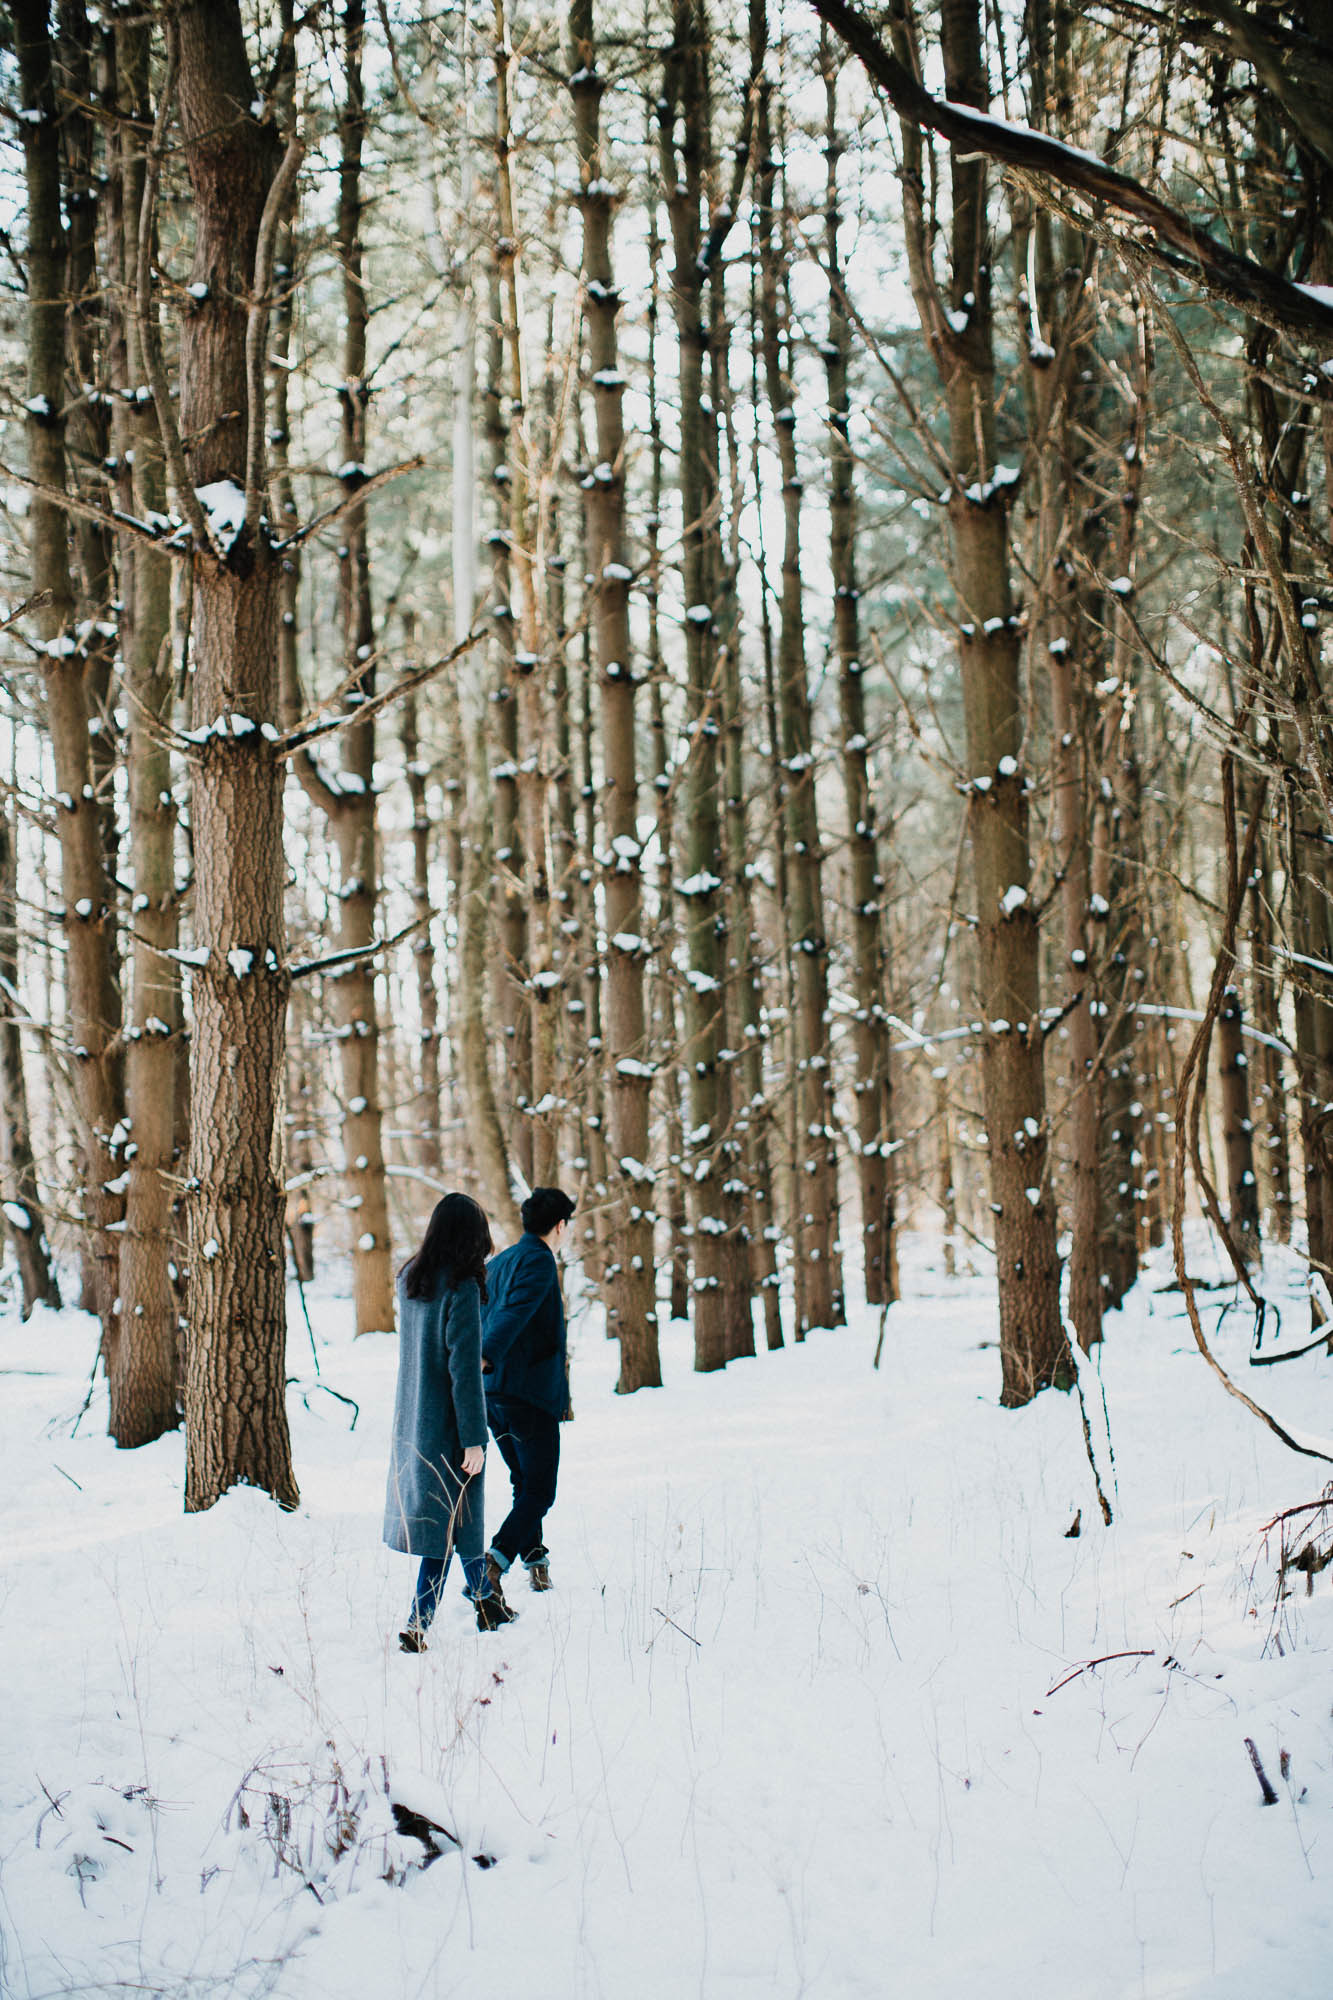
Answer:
(493, 1612)
(538, 1566)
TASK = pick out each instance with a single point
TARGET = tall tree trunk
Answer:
(816, 1220)
(88, 193)
(1033, 1349)
(89, 902)
(684, 99)
(509, 968)
(538, 972)
(632, 1306)
(300, 1110)
(235, 1415)
(1062, 417)
(741, 1198)
(873, 1084)
(665, 1026)
(144, 1370)
(354, 1003)
(1119, 875)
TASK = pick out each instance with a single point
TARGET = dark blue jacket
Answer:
(523, 1327)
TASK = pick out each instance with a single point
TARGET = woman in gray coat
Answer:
(434, 1502)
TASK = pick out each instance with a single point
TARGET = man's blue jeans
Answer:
(529, 1442)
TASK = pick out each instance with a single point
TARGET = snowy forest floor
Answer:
(803, 1716)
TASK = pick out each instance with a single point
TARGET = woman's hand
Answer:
(473, 1460)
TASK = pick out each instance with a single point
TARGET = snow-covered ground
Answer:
(807, 1713)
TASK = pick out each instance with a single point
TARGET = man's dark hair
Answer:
(543, 1208)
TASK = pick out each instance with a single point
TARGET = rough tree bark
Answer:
(235, 1415)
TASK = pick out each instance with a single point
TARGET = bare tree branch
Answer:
(1236, 280)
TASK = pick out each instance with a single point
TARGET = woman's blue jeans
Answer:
(430, 1585)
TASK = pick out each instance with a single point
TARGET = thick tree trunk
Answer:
(235, 1414)
(632, 1306)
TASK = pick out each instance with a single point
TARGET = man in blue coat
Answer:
(523, 1369)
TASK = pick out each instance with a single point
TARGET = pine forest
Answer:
(722, 609)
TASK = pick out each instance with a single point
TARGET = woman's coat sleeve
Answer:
(463, 1339)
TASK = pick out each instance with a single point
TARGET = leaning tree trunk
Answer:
(93, 1004)
(235, 1414)
(1033, 1349)
(632, 1306)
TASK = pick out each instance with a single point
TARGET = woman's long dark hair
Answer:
(455, 1247)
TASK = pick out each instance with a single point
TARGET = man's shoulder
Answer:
(520, 1252)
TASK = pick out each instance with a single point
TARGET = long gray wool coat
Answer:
(440, 1410)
